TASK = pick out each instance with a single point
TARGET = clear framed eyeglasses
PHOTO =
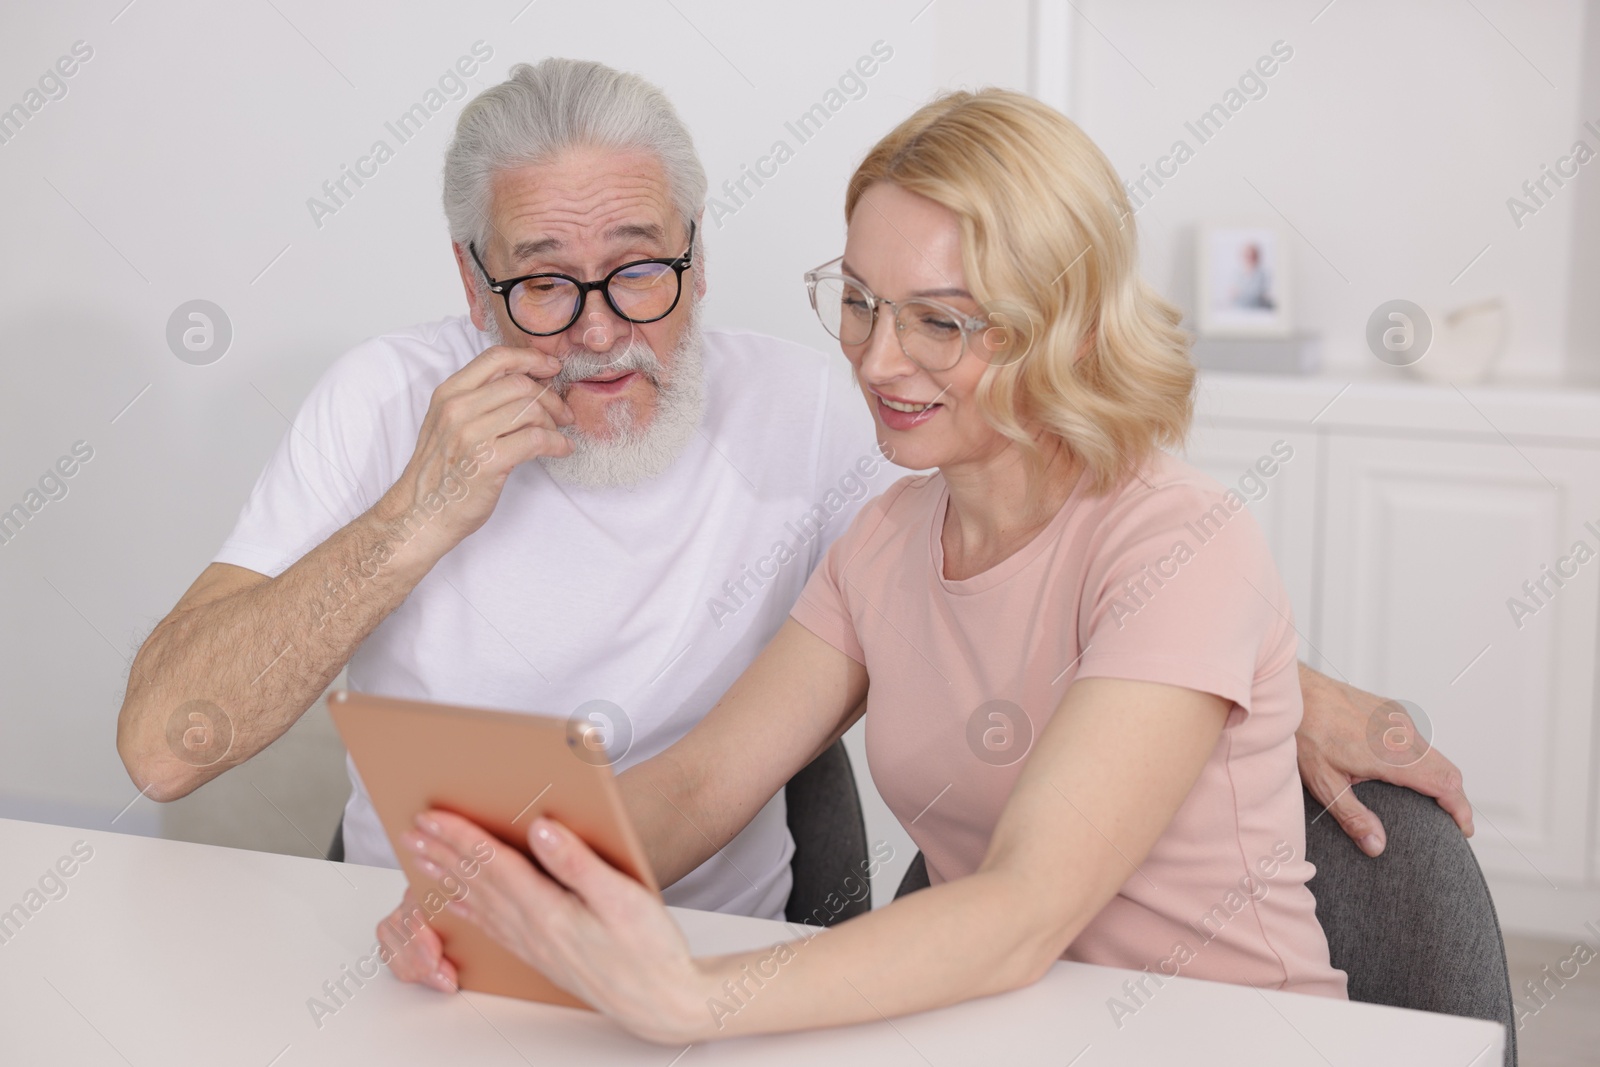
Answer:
(933, 335)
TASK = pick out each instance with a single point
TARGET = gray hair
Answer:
(553, 105)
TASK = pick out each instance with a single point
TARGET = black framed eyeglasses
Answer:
(548, 303)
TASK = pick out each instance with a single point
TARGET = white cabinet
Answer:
(1426, 543)
(1409, 524)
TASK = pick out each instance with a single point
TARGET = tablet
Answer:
(500, 769)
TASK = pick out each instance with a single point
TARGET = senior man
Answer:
(573, 499)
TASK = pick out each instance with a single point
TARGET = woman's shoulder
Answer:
(1180, 551)
(1165, 490)
(1166, 501)
(906, 502)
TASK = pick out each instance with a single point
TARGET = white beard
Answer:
(631, 455)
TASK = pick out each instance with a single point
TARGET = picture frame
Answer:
(1242, 281)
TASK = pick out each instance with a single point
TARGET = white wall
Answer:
(1391, 141)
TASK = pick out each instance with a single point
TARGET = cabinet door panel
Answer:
(1426, 544)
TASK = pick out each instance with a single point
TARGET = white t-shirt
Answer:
(653, 599)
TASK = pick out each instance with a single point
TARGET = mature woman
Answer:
(1079, 669)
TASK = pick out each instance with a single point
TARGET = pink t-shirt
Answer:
(1164, 579)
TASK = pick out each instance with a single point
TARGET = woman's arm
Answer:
(794, 701)
(1108, 774)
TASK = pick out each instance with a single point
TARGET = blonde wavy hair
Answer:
(1047, 233)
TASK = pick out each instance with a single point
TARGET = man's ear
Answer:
(700, 259)
(469, 282)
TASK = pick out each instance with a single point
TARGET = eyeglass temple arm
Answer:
(688, 255)
(493, 285)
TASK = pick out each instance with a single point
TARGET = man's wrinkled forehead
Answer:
(629, 232)
(582, 197)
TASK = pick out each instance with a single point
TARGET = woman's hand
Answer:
(586, 926)
(415, 952)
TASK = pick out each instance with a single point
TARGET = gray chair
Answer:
(915, 878)
(1413, 928)
(830, 842)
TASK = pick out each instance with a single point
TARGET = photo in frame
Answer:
(1242, 282)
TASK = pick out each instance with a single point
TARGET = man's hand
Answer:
(483, 420)
(1335, 754)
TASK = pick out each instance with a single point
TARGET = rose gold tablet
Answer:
(500, 769)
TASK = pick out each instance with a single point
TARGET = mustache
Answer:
(579, 364)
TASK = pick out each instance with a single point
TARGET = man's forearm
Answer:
(250, 663)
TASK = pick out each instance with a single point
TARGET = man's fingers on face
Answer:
(555, 404)
(531, 361)
(517, 390)
(500, 406)
(521, 412)
(539, 391)
(501, 360)
(519, 446)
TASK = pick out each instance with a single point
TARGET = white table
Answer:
(162, 952)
